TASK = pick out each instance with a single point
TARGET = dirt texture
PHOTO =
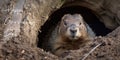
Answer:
(108, 50)
(21, 20)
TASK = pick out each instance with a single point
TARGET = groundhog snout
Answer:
(73, 32)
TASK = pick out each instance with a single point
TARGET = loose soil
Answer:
(108, 50)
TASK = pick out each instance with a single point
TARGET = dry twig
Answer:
(86, 55)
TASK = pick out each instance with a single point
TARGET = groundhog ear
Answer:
(65, 16)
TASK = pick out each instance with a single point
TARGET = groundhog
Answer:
(71, 33)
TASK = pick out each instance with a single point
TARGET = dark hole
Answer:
(91, 19)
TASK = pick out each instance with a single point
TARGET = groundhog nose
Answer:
(73, 31)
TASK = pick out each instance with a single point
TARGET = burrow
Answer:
(89, 16)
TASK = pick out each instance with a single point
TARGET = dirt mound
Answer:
(108, 50)
(14, 50)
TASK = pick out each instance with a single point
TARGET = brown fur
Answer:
(61, 40)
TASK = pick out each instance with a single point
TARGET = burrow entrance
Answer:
(91, 19)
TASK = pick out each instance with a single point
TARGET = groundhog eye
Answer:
(65, 23)
(80, 23)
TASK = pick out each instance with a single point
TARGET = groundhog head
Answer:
(72, 27)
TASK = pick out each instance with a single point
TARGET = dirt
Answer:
(108, 50)
(19, 47)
